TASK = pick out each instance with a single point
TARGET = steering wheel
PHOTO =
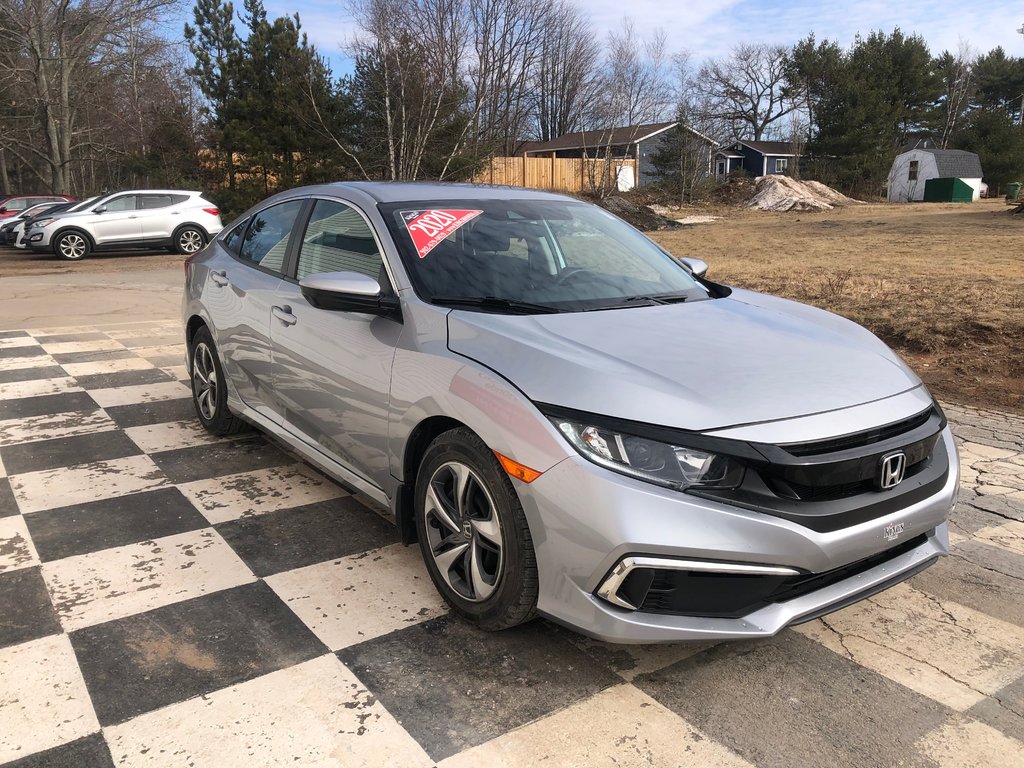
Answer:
(572, 273)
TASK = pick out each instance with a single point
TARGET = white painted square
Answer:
(17, 341)
(254, 493)
(1008, 535)
(177, 372)
(113, 583)
(16, 548)
(172, 435)
(43, 700)
(316, 715)
(965, 743)
(620, 727)
(52, 488)
(163, 350)
(139, 393)
(99, 367)
(53, 425)
(61, 330)
(941, 649)
(90, 345)
(363, 596)
(38, 388)
(21, 363)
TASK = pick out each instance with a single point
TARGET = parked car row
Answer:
(180, 220)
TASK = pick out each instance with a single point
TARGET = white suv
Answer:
(143, 218)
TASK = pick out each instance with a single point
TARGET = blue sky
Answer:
(707, 28)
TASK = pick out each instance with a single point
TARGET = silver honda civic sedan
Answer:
(570, 421)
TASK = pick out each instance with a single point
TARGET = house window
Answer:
(781, 164)
(913, 171)
(721, 168)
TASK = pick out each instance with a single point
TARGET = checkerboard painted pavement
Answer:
(172, 599)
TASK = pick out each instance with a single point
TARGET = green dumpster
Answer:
(947, 191)
(1013, 190)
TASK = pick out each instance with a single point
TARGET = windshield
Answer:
(81, 205)
(532, 255)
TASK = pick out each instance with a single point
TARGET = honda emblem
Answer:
(891, 469)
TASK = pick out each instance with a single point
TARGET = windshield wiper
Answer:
(632, 301)
(493, 302)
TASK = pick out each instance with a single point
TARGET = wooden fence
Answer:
(564, 174)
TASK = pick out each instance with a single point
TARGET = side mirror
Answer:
(698, 267)
(101, 209)
(349, 292)
(3, 209)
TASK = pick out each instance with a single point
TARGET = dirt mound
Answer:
(640, 216)
(781, 193)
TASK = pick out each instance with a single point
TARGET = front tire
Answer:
(473, 533)
(209, 387)
(72, 246)
(189, 240)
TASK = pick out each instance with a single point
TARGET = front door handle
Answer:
(284, 314)
(219, 277)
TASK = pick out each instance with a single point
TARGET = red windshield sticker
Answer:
(428, 228)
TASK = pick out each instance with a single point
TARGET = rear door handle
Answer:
(284, 314)
(219, 277)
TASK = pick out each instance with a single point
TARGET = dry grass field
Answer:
(941, 283)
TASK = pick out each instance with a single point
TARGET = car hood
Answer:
(699, 366)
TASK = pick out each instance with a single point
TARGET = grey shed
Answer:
(956, 163)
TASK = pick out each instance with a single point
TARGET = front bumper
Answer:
(588, 521)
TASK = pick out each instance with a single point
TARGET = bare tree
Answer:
(957, 75)
(411, 51)
(56, 50)
(565, 79)
(749, 88)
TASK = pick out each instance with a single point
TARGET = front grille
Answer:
(731, 596)
(838, 491)
(859, 439)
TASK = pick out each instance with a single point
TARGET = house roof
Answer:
(629, 134)
(956, 163)
(781, 148)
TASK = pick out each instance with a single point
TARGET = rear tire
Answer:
(209, 387)
(189, 240)
(473, 533)
(72, 246)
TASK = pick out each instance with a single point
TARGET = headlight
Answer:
(42, 223)
(673, 466)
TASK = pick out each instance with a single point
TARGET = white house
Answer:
(912, 169)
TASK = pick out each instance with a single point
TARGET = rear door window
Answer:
(149, 202)
(266, 239)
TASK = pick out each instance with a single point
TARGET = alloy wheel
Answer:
(204, 381)
(72, 246)
(463, 531)
(190, 241)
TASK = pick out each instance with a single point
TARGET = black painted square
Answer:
(453, 686)
(167, 361)
(30, 350)
(8, 506)
(123, 378)
(790, 701)
(202, 462)
(45, 405)
(294, 538)
(988, 579)
(26, 612)
(88, 752)
(32, 374)
(144, 414)
(107, 523)
(92, 357)
(13, 334)
(149, 660)
(67, 451)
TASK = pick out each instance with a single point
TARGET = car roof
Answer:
(411, 191)
(152, 192)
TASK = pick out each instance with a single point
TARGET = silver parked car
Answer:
(176, 219)
(570, 421)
